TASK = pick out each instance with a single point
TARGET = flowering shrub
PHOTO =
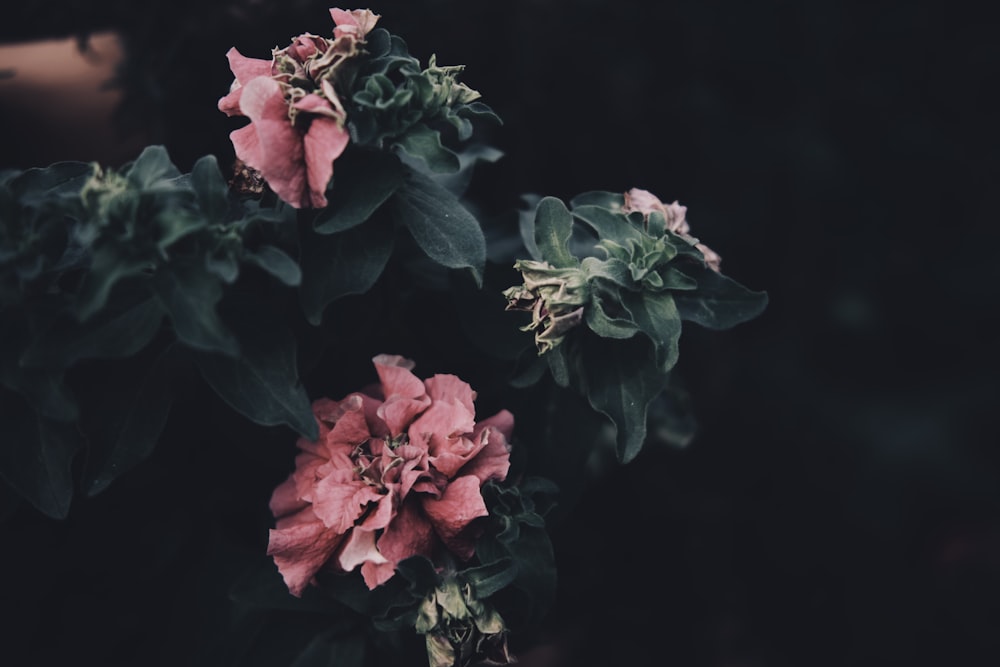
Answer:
(259, 284)
(392, 475)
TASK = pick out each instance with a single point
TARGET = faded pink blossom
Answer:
(396, 472)
(647, 203)
(356, 22)
(297, 122)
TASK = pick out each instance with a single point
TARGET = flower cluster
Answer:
(396, 472)
(297, 121)
(554, 297)
(674, 214)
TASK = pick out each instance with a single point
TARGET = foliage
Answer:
(123, 290)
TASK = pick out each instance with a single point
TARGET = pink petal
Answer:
(285, 499)
(340, 499)
(502, 421)
(351, 428)
(245, 69)
(493, 460)
(384, 512)
(451, 389)
(357, 22)
(451, 514)
(278, 152)
(300, 551)
(324, 142)
(409, 534)
(358, 548)
(404, 392)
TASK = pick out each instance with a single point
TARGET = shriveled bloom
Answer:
(396, 472)
(459, 629)
(554, 297)
(674, 214)
(297, 122)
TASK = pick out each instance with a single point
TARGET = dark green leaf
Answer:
(211, 189)
(41, 186)
(422, 142)
(719, 302)
(263, 382)
(612, 270)
(553, 228)
(189, 294)
(340, 264)
(151, 168)
(119, 331)
(657, 316)
(611, 226)
(603, 324)
(613, 201)
(364, 181)
(441, 226)
(621, 377)
(134, 427)
(107, 267)
(490, 578)
(276, 262)
(43, 388)
(36, 458)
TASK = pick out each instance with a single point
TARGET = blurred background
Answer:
(840, 502)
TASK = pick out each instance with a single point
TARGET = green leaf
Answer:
(263, 382)
(364, 180)
(107, 267)
(610, 226)
(603, 324)
(553, 228)
(276, 261)
(719, 302)
(42, 186)
(612, 270)
(36, 458)
(613, 201)
(422, 142)
(189, 294)
(115, 332)
(440, 225)
(211, 189)
(621, 378)
(657, 317)
(151, 168)
(488, 579)
(337, 265)
(136, 422)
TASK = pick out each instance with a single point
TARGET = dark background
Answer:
(840, 504)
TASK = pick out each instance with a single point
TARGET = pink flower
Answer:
(356, 22)
(395, 473)
(296, 128)
(646, 203)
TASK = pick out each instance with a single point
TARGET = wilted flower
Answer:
(460, 629)
(555, 298)
(674, 214)
(396, 472)
(296, 128)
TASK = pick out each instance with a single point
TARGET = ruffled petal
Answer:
(493, 459)
(340, 499)
(301, 550)
(405, 396)
(359, 548)
(279, 155)
(454, 511)
(324, 142)
(409, 534)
